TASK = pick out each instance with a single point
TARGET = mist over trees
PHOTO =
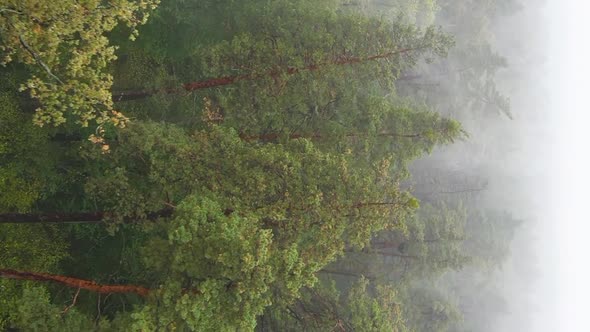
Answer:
(220, 165)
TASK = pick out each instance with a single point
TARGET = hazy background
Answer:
(537, 164)
(544, 179)
(530, 170)
(567, 77)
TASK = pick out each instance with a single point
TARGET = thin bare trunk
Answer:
(347, 274)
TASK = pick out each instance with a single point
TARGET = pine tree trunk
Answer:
(227, 80)
(74, 282)
(65, 138)
(389, 254)
(26, 218)
(274, 136)
(76, 217)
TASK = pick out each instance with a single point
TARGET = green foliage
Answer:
(277, 101)
(311, 202)
(21, 169)
(419, 12)
(359, 306)
(33, 247)
(379, 313)
(34, 312)
(207, 286)
(429, 309)
(27, 247)
(66, 48)
(491, 235)
(33, 168)
(290, 175)
(440, 238)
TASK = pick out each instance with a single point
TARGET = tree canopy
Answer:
(237, 165)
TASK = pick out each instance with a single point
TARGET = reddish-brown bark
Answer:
(74, 282)
(262, 137)
(275, 136)
(227, 80)
(221, 81)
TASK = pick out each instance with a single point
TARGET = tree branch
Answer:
(73, 302)
(8, 10)
(37, 58)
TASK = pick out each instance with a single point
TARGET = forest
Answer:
(259, 165)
